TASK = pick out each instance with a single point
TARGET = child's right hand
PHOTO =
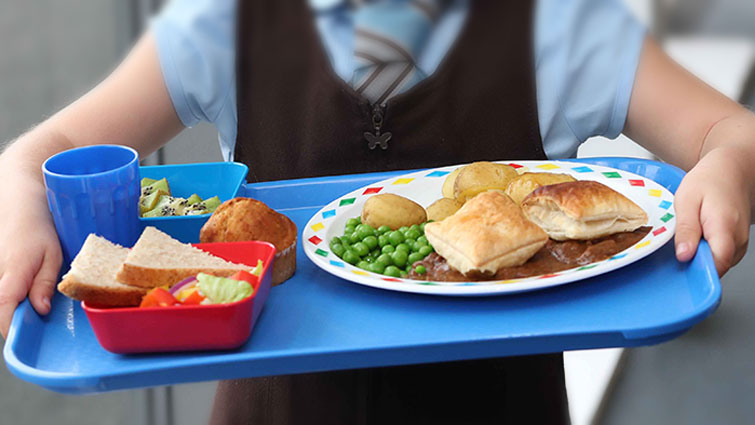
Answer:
(30, 254)
(30, 259)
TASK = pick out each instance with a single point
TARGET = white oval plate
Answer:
(424, 187)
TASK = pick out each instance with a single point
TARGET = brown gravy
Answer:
(553, 257)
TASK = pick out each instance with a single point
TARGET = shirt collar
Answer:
(323, 5)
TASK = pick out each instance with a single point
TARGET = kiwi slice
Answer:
(194, 199)
(205, 207)
(146, 181)
(156, 185)
(168, 206)
(212, 203)
(149, 202)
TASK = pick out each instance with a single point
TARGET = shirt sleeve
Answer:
(195, 44)
(586, 56)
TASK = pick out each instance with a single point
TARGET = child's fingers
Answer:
(44, 283)
(688, 229)
(722, 246)
(13, 287)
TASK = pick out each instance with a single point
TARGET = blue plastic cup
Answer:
(93, 189)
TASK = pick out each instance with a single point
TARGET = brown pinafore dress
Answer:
(297, 118)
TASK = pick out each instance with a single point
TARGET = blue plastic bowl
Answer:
(221, 179)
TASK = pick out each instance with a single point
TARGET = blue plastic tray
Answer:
(317, 322)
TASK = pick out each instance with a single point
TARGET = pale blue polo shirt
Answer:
(586, 55)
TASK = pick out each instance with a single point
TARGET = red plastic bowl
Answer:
(180, 328)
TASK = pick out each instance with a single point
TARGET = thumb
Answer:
(688, 228)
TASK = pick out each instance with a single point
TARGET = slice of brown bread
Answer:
(159, 260)
(92, 275)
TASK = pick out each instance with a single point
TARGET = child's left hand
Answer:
(688, 123)
(713, 201)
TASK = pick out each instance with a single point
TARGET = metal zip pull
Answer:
(376, 139)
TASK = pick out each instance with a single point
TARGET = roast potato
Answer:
(393, 211)
(479, 177)
(442, 208)
(448, 184)
(523, 185)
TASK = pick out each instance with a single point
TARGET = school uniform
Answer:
(497, 80)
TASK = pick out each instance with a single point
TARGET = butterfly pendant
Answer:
(373, 140)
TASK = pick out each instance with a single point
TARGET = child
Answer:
(436, 83)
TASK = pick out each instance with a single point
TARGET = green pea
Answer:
(383, 240)
(383, 229)
(414, 257)
(371, 242)
(410, 243)
(338, 249)
(353, 238)
(396, 237)
(388, 249)
(361, 249)
(403, 247)
(377, 267)
(335, 241)
(353, 222)
(413, 234)
(350, 256)
(425, 250)
(403, 229)
(415, 227)
(349, 230)
(420, 269)
(363, 265)
(365, 230)
(399, 258)
(385, 260)
(423, 239)
(392, 271)
(417, 246)
(422, 227)
(374, 254)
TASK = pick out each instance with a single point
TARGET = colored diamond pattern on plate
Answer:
(611, 174)
(642, 244)
(370, 190)
(347, 201)
(360, 272)
(336, 263)
(317, 227)
(667, 217)
(390, 279)
(657, 232)
(437, 173)
(328, 214)
(655, 192)
(583, 169)
(315, 240)
(637, 182)
(319, 251)
(403, 181)
(515, 165)
(618, 256)
(548, 166)
(664, 204)
(587, 267)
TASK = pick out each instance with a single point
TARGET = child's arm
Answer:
(689, 124)
(131, 107)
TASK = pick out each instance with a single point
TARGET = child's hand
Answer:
(30, 259)
(713, 201)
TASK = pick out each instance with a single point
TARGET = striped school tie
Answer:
(389, 35)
